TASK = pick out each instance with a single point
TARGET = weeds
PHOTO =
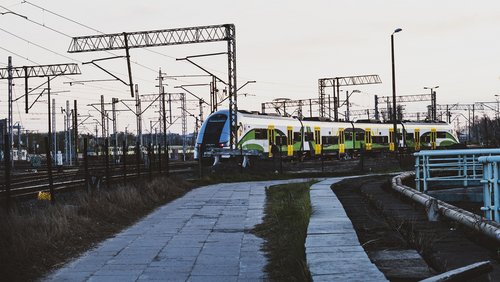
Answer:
(288, 210)
(32, 241)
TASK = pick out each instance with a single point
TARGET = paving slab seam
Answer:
(202, 236)
(333, 251)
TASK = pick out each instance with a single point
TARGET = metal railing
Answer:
(450, 167)
(491, 193)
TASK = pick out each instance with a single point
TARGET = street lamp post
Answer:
(498, 106)
(433, 102)
(394, 119)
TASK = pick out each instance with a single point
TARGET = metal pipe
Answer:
(457, 152)
(474, 221)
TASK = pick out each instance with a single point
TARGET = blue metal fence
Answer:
(450, 167)
(491, 193)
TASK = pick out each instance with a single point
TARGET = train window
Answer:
(360, 136)
(218, 118)
(441, 134)
(260, 134)
(328, 140)
(380, 139)
(281, 140)
(308, 136)
(297, 137)
(409, 136)
(348, 136)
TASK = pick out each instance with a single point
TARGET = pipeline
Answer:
(471, 220)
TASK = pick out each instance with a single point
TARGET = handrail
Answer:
(455, 152)
(450, 166)
(491, 193)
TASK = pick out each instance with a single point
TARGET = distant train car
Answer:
(19, 155)
(294, 137)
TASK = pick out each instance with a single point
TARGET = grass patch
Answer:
(38, 238)
(287, 213)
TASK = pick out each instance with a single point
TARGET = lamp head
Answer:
(397, 30)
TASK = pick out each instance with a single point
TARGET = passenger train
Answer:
(293, 137)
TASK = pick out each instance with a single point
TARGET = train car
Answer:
(293, 137)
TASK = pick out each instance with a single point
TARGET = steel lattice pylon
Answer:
(335, 83)
(166, 37)
(40, 71)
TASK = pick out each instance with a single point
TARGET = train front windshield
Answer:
(213, 130)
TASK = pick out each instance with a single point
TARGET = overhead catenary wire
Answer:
(20, 56)
(69, 36)
(86, 26)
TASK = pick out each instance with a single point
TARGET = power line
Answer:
(69, 36)
(14, 53)
(40, 24)
(61, 16)
(93, 29)
(39, 46)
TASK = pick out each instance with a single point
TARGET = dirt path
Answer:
(392, 231)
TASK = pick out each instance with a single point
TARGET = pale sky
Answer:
(286, 46)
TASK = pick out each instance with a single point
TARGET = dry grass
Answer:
(284, 228)
(36, 240)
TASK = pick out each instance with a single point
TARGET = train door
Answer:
(341, 141)
(368, 139)
(317, 140)
(289, 141)
(433, 138)
(271, 138)
(417, 139)
(391, 139)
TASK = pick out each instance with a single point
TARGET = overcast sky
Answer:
(286, 46)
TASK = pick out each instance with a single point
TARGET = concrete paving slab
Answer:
(333, 251)
(202, 236)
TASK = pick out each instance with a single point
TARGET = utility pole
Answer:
(162, 100)
(113, 109)
(68, 125)
(54, 130)
(165, 144)
(75, 129)
(170, 107)
(103, 120)
(213, 94)
(66, 151)
(9, 126)
(106, 137)
(184, 123)
(138, 114)
(347, 105)
(49, 138)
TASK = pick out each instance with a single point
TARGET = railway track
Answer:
(28, 183)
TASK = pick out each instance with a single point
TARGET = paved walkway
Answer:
(333, 250)
(202, 236)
